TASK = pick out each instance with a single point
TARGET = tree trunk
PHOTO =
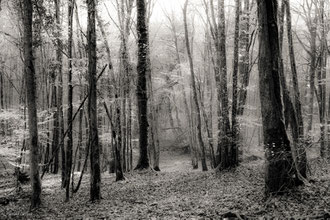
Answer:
(194, 89)
(95, 181)
(244, 64)
(60, 117)
(322, 81)
(118, 169)
(1, 90)
(80, 136)
(193, 135)
(27, 10)
(69, 146)
(207, 121)
(156, 140)
(224, 149)
(152, 131)
(118, 141)
(235, 126)
(55, 126)
(302, 159)
(143, 70)
(312, 70)
(279, 161)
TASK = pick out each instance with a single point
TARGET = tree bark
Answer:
(118, 169)
(69, 146)
(1, 90)
(55, 141)
(244, 64)
(95, 181)
(322, 81)
(27, 10)
(143, 70)
(279, 162)
(224, 149)
(235, 126)
(60, 117)
(312, 70)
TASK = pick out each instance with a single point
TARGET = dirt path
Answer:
(174, 161)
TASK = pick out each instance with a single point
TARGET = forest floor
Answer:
(177, 192)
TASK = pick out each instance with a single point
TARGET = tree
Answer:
(70, 99)
(194, 89)
(30, 83)
(235, 126)
(143, 70)
(95, 181)
(311, 22)
(225, 153)
(302, 163)
(321, 76)
(280, 168)
(244, 61)
(59, 121)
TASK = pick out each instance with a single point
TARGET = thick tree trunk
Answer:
(279, 162)
(95, 180)
(27, 10)
(143, 70)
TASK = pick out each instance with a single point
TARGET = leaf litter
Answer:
(179, 194)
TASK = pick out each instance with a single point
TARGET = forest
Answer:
(164, 109)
